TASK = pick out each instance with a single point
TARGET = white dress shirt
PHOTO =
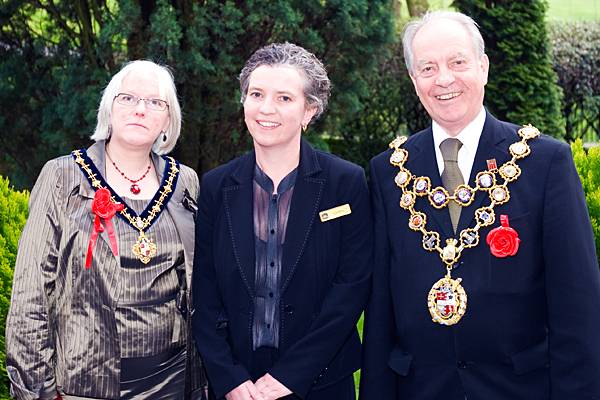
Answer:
(469, 137)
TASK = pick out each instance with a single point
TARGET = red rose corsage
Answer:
(503, 240)
(104, 209)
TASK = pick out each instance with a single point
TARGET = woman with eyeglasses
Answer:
(100, 304)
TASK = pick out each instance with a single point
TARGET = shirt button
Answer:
(272, 231)
(269, 326)
(272, 264)
(271, 294)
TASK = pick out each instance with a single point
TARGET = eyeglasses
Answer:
(131, 100)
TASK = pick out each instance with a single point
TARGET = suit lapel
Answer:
(491, 146)
(182, 218)
(422, 162)
(96, 153)
(238, 203)
(303, 210)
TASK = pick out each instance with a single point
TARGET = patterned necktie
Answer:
(452, 177)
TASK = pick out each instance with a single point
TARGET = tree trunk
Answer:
(416, 8)
(136, 42)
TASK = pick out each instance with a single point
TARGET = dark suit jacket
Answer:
(325, 274)
(531, 327)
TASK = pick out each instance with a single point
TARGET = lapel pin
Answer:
(492, 165)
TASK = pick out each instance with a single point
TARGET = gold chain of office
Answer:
(447, 300)
(144, 248)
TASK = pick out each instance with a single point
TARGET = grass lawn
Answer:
(357, 373)
(573, 10)
(566, 10)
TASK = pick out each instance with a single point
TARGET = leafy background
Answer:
(56, 56)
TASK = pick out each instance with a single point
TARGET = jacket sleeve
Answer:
(572, 284)
(29, 341)
(224, 372)
(343, 303)
(196, 380)
(378, 381)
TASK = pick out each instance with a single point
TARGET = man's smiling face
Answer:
(448, 75)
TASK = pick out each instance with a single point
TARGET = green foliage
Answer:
(588, 167)
(359, 326)
(576, 57)
(522, 85)
(50, 79)
(389, 108)
(13, 213)
(57, 56)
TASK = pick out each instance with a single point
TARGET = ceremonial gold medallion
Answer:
(447, 301)
(144, 248)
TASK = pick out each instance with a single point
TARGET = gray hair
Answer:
(317, 87)
(167, 91)
(411, 29)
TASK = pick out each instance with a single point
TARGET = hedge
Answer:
(13, 213)
(588, 167)
(576, 60)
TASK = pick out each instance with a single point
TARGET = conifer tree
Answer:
(522, 85)
(56, 57)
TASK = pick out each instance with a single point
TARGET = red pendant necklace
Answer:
(134, 188)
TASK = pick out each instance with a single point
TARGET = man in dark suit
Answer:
(486, 283)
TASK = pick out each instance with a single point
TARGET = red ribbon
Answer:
(105, 209)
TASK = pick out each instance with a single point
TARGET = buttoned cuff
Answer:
(19, 391)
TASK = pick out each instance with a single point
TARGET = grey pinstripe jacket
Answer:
(61, 329)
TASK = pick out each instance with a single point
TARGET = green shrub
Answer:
(13, 213)
(522, 85)
(389, 107)
(576, 59)
(588, 167)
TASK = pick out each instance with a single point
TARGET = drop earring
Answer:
(164, 136)
(304, 126)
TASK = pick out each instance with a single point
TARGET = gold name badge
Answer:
(335, 212)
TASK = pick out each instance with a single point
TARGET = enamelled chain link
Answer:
(487, 181)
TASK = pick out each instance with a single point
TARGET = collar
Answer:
(469, 137)
(309, 164)
(265, 182)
